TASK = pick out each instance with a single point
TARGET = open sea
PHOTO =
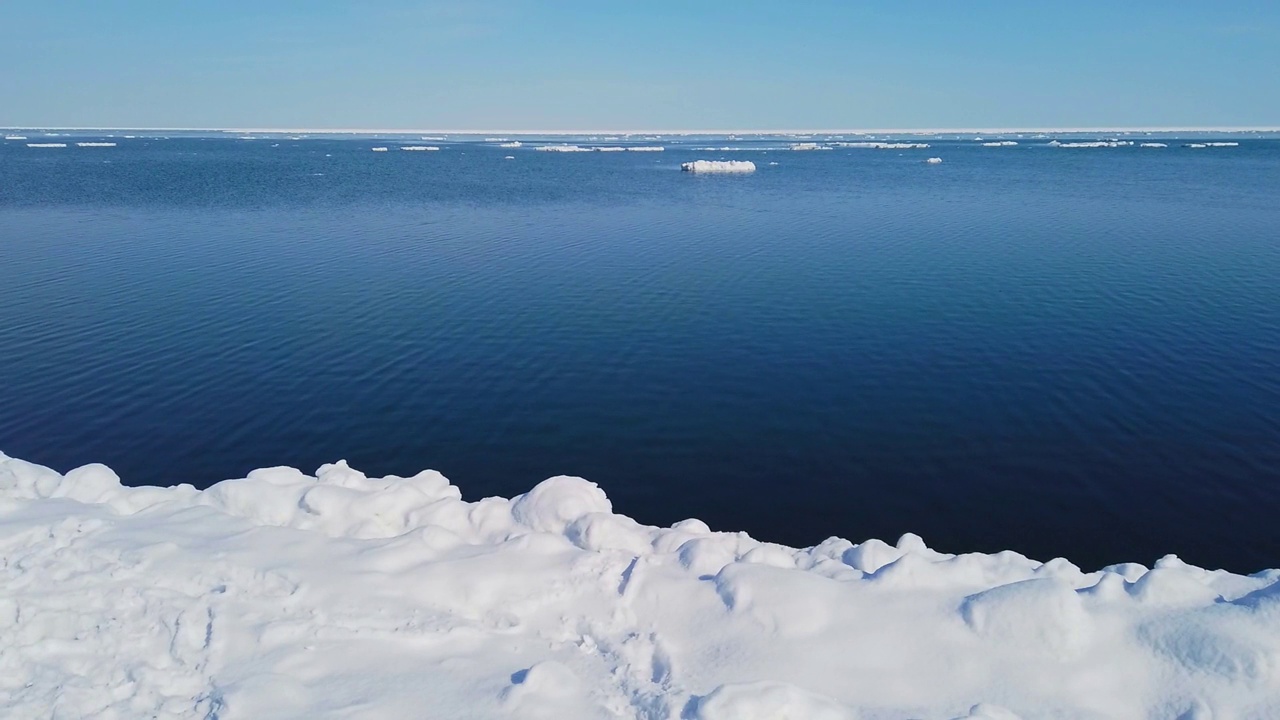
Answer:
(1061, 351)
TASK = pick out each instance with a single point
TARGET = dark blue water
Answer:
(1068, 352)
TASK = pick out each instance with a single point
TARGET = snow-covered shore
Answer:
(284, 595)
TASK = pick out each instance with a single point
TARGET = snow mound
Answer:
(46, 145)
(934, 161)
(719, 166)
(420, 148)
(284, 594)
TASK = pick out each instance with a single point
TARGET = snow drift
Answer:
(284, 595)
(719, 166)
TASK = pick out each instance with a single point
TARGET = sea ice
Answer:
(884, 145)
(46, 145)
(1153, 145)
(95, 144)
(15, 137)
(338, 595)
(809, 146)
(934, 161)
(719, 166)
(419, 148)
(512, 144)
(379, 149)
(1001, 143)
(562, 148)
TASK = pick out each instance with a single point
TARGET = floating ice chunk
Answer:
(884, 145)
(719, 166)
(15, 137)
(420, 148)
(95, 144)
(509, 157)
(934, 161)
(1093, 144)
(379, 149)
(1001, 143)
(512, 144)
(809, 146)
(495, 139)
(610, 148)
(46, 145)
(1153, 145)
(1222, 144)
(435, 138)
(1196, 145)
(646, 148)
(562, 148)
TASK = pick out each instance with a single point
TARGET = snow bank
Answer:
(719, 166)
(420, 148)
(339, 595)
(95, 144)
(46, 145)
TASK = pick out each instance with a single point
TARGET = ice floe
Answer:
(1000, 143)
(95, 144)
(719, 166)
(1153, 145)
(420, 148)
(1091, 144)
(646, 148)
(512, 144)
(883, 145)
(15, 137)
(810, 146)
(562, 148)
(46, 145)
(1212, 144)
(340, 595)
(379, 149)
(934, 161)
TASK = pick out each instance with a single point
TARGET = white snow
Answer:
(719, 166)
(283, 595)
(95, 144)
(934, 161)
(46, 145)
(419, 148)
(379, 149)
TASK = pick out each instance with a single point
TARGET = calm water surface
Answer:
(1067, 352)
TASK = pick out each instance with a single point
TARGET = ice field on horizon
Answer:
(284, 595)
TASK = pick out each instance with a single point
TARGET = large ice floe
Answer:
(46, 145)
(718, 166)
(285, 595)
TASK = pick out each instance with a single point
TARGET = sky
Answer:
(660, 64)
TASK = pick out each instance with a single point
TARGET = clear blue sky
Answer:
(483, 64)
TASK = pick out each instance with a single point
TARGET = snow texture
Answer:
(719, 166)
(285, 595)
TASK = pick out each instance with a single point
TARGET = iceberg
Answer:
(337, 594)
(719, 166)
(419, 148)
(46, 145)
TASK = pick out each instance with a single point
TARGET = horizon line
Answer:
(708, 131)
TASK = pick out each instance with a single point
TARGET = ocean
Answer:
(1063, 351)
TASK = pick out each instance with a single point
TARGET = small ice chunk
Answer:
(647, 148)
(421, 148)
(379, 149)
(512, 144)
(1001, 143)
(809, 146)
(46, 145)
(934, 161)
(95, 144)
(1153, 145)
(562, 148)
(719, 166)
(15, 137)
